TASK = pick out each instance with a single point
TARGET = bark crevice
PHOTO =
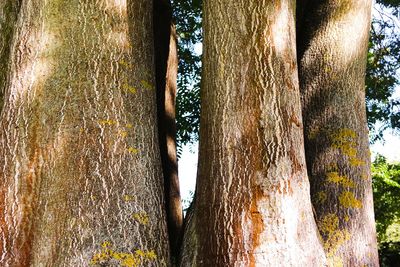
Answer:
(166, 63)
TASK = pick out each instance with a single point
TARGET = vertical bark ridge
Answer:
(9, 10)
(252, 204)
(165, 44)
(332, 47)
(81, 173)
(6, 33)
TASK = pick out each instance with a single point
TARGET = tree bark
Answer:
(166, 56)
(332, 49)
(252, 204)
(81, 179)
(9, 10)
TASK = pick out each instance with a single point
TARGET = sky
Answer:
(390, 149)
(188, 161)
(187, 170)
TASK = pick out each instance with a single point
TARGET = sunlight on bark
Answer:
(37, 71)
(352, 33)
(118, 6)
(119, 38)
(280, 29)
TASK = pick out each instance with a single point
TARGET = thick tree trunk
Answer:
(332, 47)
(80, 168)
(165, 44)
(8, 18)
(253, 203)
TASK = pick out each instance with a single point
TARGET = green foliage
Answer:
(187, 16)
(386, 187)
(382, 70)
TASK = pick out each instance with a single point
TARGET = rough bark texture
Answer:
(80, 169)
(253, 203)
(165, 45)
(8, 17)
(332, 47)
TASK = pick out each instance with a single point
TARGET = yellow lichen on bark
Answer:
(128, 198)
(321, 196)
(335, 262)
(122, 134)
(147, 85)
(348, 200)
(107, 122)
(334, 237)
(334, 177)
(133, 150)
(346, 141)
(128, 88)
(141, 217)
(124, 259)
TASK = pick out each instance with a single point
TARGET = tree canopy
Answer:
(187, 16)
(382, 75)
(382, 70)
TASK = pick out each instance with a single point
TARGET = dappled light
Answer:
(38, 69)
(100, 96)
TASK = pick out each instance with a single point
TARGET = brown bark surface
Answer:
(332, 48)
(80, 168)
(252, 204)
(165, 44)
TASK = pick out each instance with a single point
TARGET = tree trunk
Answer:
(8, 17)
(252, 204)
(332, 47)
(165, 44)
(81, 172)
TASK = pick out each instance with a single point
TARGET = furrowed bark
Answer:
(9, 10)
(80, 169)
(332, 49)
(252, 204)
(165, 44)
